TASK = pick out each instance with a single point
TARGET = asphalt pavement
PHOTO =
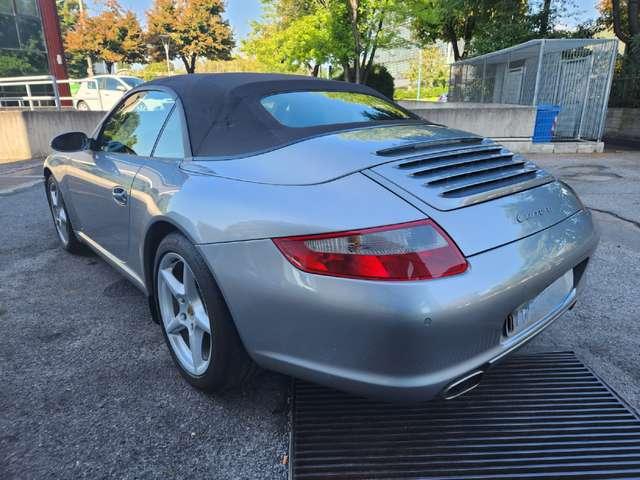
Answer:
(604, 327)
(89, 389)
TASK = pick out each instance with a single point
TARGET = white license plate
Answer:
(541, 306)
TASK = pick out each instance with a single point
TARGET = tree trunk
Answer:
(617, 23)
(346, 69)
(467, 35)
(109, 66)
(185, 62)
(453, 39)
(315, 70)
(189, 63)
(353, 6)
(544, 18)
(368, 64)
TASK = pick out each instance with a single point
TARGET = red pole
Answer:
(55, 47)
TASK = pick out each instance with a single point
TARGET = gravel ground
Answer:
(89, 389)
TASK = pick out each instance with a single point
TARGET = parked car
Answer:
(318, 229)
(111, 88)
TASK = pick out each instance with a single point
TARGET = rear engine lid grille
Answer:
(453, 175)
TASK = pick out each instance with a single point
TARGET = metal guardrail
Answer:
(35, 101)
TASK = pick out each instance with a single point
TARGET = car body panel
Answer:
(503, 220)
(326, 157)
(92, 178)
(225, 209)
(392, 340)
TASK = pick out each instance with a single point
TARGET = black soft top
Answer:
(225, 117)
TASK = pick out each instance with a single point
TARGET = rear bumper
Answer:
(395, 340)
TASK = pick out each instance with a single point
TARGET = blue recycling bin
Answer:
(545, 123)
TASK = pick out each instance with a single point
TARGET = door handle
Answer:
(120, 195)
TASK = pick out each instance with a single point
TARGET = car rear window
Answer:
(311, 109)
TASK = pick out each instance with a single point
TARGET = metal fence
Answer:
(574, 74)
(625, 91)
(41, 91)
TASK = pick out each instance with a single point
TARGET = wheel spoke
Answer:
(175, 326)
(62, 215)
(195, 345)
(201, 318)
(190, 289)
(176, 288)
(54, 198)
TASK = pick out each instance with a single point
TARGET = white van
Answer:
(111, 88)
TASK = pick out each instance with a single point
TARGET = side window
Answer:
(102, 83)
(171, 141)
(91, 84)
(113, 84)
(134, 126)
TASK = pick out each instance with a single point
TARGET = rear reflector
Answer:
(408, 251)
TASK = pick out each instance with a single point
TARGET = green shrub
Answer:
(381, 80)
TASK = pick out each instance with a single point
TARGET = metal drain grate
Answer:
(533, 416)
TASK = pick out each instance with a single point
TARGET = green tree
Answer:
(480, 26)
(302, 35)
(304, 44)
(12, 65)
(434, 74)
(452, 21)
(194, 28)
(69, 13)
(373, 24)
(504, 23)
(623, 16)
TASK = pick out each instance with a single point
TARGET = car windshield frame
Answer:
(319, 108)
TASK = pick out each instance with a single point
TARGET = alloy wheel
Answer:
(59, 213)
(184, 315)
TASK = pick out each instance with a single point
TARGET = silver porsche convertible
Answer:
(318, 229)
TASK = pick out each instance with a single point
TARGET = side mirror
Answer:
(70, 142)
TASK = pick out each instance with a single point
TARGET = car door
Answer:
(100, 180)
(89, 94)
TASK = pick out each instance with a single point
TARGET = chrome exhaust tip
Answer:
(463, 385)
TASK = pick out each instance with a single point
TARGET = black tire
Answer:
(66, 235)
(229, 366)
(82, 105)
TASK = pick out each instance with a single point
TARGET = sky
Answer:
(241, 13)
(588, 10)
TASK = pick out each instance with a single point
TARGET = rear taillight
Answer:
(408, 251)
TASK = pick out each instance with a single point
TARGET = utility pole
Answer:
(419, 74)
